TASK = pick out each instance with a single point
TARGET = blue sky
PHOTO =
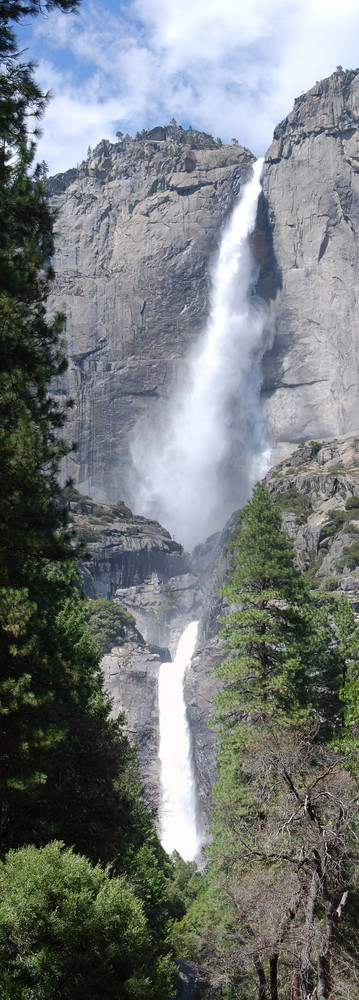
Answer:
(229, 67)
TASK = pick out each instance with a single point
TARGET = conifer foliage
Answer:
(277, 915)
(67, 770)
(267, 629)
(32, 524)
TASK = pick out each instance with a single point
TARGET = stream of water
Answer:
(200, 468)
(201, 463)
(178, 818)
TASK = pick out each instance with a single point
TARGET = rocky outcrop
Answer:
(122, 549)
(131, 680)
(135, 562)
(317, 490)
(137, 227)
(307, 243)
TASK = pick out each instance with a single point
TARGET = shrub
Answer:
(68, 931)
(350, 558)
(108, 623)
(352, 505)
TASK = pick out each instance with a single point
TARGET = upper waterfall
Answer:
(209, 451)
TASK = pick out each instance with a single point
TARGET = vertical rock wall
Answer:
(308, 245)
(138, 226)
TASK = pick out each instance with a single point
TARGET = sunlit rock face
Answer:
(307, 240)
(138, 226)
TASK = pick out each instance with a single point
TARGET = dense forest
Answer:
(90, 904)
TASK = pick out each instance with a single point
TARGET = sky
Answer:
(228, 67)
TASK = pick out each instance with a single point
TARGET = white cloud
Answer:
(232, 68)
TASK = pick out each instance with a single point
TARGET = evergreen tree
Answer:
(70, 931)
(266, 629)
(32, 524)
(283, 828)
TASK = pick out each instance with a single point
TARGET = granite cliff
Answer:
(138, 224)
(136, 563)
(308, 230)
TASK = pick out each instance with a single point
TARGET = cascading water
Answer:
(202, 463)
(178, 807)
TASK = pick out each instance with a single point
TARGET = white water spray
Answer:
(202, 463)
(178, 807)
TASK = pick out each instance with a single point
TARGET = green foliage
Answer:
(67, 769)
(267, 630)
(282, 800)
(183, 886)
(352, 504)
(69, 930)
(350, 557)
(347, 636)
(108, 623)
(123, 510)
(337, 519)
(294, 501)
(32, 523)
(168, 606)
(327, 583)
(86, 535)
(315, 446)
(70, 493)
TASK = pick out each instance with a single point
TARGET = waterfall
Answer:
(202, 462)
(178, 806)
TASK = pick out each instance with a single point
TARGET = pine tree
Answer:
(267, 630)
(32, 523)
(283, 828)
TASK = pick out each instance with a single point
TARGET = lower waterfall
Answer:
(178, 806)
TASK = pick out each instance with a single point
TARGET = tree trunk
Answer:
(273, 968)
(308, 936)
(325, 955)
(296, 987)
(262, 988)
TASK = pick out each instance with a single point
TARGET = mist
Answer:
(200, 464)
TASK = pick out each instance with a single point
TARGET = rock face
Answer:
(307, 241)
(131, 680)
(138, 226)
(317, 490)
(136, 562)
(122, 549)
